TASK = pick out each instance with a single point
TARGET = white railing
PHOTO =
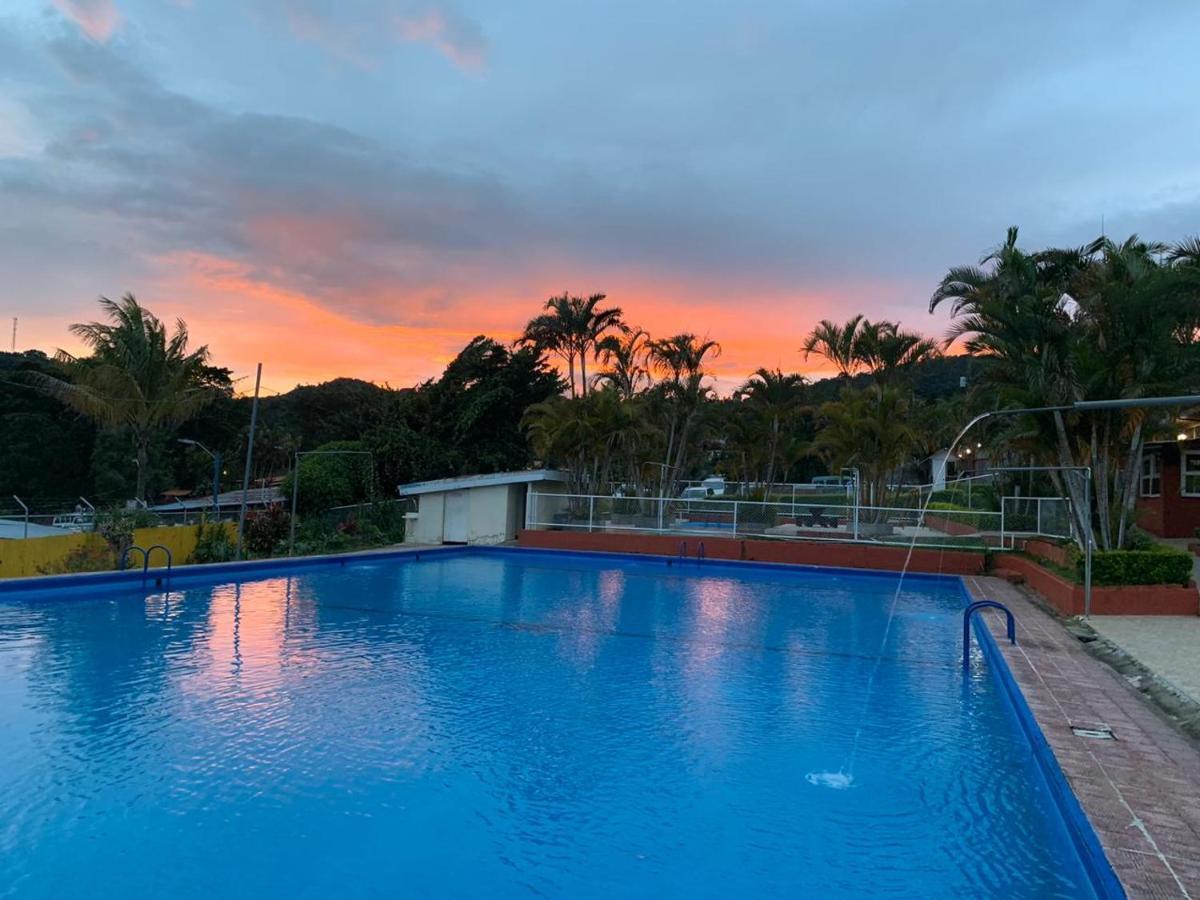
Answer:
(785, 519)
(1036, 517)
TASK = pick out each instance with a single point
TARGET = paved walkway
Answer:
(1141, 792)
(1169, 646)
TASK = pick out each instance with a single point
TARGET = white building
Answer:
(473, 509)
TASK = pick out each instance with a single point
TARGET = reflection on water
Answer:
(481, 726)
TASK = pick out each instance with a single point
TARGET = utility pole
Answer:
(249, 463)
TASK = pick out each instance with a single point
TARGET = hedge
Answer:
(1163, 565)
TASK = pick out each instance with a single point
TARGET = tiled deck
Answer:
(1140, 791)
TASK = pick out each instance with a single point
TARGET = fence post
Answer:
(530, 499)
(26, 508)
(735, 506)
(661, 504)
(591, 513)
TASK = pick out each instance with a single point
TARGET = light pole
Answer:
(216, 478)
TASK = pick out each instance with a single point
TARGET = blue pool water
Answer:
(513, 724)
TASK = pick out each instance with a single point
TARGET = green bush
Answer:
(266, 529)
(92, 556)
(340, 479)
(213, 544)
(1161, 565)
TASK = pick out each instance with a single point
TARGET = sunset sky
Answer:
(357, 187)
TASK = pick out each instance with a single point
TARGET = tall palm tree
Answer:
(684, 396)
(1101, 321)
(138, 378)
(625, 360)
(774, 398)
(572, 328)
(836, 343)
(880, 348)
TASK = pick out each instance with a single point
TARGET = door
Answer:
(454, 527)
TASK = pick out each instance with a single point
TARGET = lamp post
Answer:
(1079, 406)
(216, 477)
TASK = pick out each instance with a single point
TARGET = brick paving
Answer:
(1141, 792)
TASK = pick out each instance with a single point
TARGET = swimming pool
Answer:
(516, 723)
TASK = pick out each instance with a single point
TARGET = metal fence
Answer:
(788, 519)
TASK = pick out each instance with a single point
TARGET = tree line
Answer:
(617, 408)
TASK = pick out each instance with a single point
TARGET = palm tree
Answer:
(625, 358)
(881, 348)
(1102, 321)
(572, 329)
(869, 429)
(836, 343)
(774, 398)
(138, 377)
(683, 396)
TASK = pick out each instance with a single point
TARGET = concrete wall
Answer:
(426, 528)
(488, 514)
(22, 558)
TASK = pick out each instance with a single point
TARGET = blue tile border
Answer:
(1087, 843)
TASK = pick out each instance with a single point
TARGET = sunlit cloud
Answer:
(98, 19)
(458, 39)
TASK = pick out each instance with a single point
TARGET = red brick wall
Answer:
(812, 553)
(1126, 600)
(1170, 514)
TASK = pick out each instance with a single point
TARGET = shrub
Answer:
(92, 556)
(335, 479)
(213, 544)
(266, 529)
(1161, 565)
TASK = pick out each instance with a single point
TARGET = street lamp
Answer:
(216, 478)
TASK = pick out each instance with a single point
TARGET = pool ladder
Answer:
(146, 552)
(681, 554)
(1011, 625)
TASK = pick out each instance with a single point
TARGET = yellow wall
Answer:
(31, 556)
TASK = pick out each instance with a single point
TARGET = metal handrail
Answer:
(125, 557)
(681, 553)
(146, 551)
(970, 611)
(700, 555)
(164, 549)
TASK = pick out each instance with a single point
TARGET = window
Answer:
(1189, 471)
(1151, 475)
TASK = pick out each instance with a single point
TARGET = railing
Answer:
(832, 519)
(1010, 622)
(146, 553)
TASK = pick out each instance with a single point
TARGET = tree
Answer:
(683, 397)
(881, 349)
(1102, 321)
(868, 429)
(572, 329)
(626, 359)
(138, 379)
(774, 399)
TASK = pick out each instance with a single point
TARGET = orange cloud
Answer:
(248, 314)
(98, 19)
